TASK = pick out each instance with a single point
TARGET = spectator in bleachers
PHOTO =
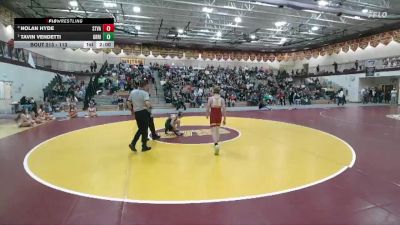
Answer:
(179, 102)
(291, 97)
(25, 104)
(43, 115)
(92, 111)
(120, 102)
(24, 120)
(281, 97)
(35, 117)
(73, 113)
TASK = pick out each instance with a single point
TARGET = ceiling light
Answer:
(73, 3)
(365, 11)
(311, 11)
(180, 31)
(136, 9)
(138, 27)
(323, 3)
(354, 17)
(238, 19)
(252, 36)
(280, 23)
(207, 10)
(265, 4)
(219, 34)
(230, 6)
(314, 28)
(110, 4)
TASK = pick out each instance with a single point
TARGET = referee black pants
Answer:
(142, 120)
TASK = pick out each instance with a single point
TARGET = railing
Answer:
(49, 88)
(22, 55)
(381, 64)
(93, 86)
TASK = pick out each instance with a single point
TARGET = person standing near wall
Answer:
(141, 105)
(393, 97)
(216, 110)
(341, 98)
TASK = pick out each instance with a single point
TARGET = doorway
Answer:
(386, 88)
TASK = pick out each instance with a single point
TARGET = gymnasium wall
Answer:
(354, 83)
(25, 81)
(377, 82)
(381, 51)
(351, 83)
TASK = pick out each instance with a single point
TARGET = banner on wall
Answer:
(336, 48)
(396, 36)
(364, 42)
(354, 45)
(370, 63)
(386, 37)
(370, 71)
(308, 54)
(315, 53)
(370, 68)
(345, 47)
(133, 61)
(375, 40)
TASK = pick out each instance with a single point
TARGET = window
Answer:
(5, 90)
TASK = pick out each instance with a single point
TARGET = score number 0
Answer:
(108, 27)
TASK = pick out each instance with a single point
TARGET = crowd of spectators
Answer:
(254, 86)
(31, 114)
(392, 62)
(66, 90)
(122, 77)
(377, 95)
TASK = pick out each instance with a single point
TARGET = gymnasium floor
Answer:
(306, 166)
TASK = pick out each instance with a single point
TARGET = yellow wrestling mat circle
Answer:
(265, 159)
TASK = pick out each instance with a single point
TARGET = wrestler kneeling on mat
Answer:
(173, 123)
(215, 110)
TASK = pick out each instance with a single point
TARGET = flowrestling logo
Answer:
(197, 135)
(377, 15)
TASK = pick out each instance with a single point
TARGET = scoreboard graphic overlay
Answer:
(64, 33)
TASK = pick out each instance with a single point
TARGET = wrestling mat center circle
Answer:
(258, 158)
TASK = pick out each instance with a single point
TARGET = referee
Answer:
(141, 105)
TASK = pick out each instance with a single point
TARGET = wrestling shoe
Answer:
(216, 149)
